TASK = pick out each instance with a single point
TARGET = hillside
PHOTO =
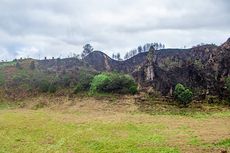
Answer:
(203, 69)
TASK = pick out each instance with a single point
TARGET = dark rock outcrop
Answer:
(202, 68)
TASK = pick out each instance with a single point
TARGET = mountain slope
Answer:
(202, 68)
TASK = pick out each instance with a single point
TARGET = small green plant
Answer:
(65, 81)
(47, 86)
(84, 79)
(183, 94)
(21, 76)
(227, 83)
(52, 88)
(133, 89)
(78, 88)
(225, 142)
(44, 86)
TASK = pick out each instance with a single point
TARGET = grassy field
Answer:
(101, 126)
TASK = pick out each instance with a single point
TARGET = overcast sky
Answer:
(57, 28)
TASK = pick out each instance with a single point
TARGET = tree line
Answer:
(144, 48)
(87, 49)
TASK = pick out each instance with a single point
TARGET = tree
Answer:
(134, 52)
(126, 56)
(183, 94)
(160, 46)
(87, 49)
(147, 46)
(77, 56)
(156, 46)
(118, 56)
(139, 49)
(114, 56)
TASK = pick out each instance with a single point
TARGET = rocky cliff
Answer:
(201, 68)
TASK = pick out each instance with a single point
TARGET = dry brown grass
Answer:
(196, 133)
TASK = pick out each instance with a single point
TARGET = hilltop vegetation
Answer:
(24, 77)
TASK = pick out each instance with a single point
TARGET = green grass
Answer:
(5, 105)
(97, 126)
(207, 111)
(225, 143)
(37, 131)
(4, 64)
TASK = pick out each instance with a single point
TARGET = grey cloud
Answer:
(57, 27)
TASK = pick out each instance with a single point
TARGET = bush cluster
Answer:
(46, 86)
(84, 80)
(183, 94)
(113, 83)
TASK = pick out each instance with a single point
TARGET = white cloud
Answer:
(55, 28)
(5, 55)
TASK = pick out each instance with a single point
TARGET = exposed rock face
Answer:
(101, 62)
(203, 67)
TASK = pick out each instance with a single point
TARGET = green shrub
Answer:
(21, 76)
(99, 82)
(133, 89)
(44, 86)
(84, 79)
(65, 81)
(227, 83)
(179, 89)
(182, 94)
(52, 88)
(78, 88)
(113, 83)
